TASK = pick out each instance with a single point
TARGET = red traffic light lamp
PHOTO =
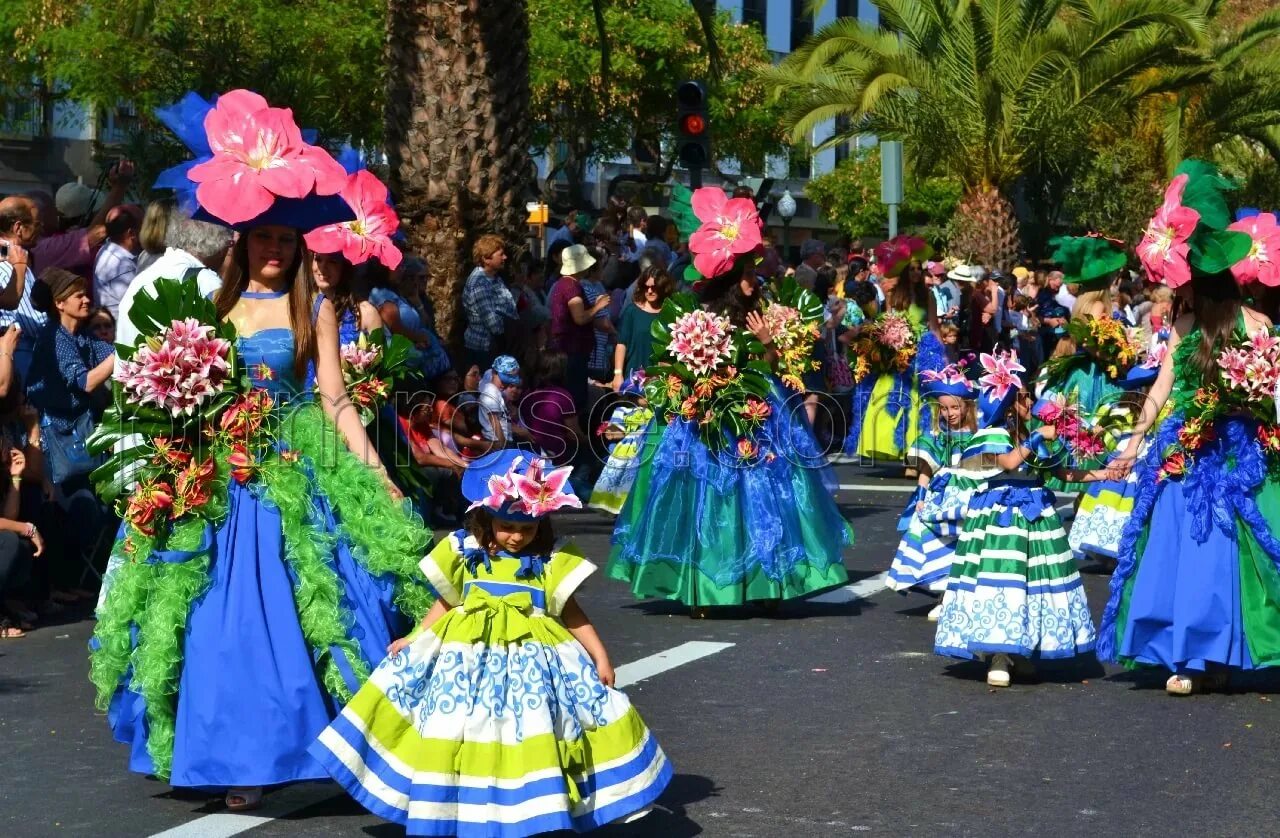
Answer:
(693, 146)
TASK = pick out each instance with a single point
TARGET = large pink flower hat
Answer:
(1191, 234)
(253, 166)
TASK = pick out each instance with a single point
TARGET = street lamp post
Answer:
(786, 211)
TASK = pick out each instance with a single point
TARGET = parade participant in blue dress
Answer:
(263, 583)
(937, 508)
(1105, 505)
(1197, 591)
(498, 716)
(731, 503)
(1014, 592)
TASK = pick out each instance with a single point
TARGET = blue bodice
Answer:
(268, 355)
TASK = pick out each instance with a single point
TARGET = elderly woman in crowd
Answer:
(402, 308)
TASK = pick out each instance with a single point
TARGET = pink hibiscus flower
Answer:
(369, 235)
(1163, 249)
(258, 156)
(1263, 262)
(729, 229)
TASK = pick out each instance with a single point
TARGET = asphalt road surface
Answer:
(830, 717)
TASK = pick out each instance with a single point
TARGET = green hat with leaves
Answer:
(1088, 261)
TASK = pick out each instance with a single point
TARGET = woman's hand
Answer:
(1047, 432)
(38, 540)
(616, 384)
(17, 462)
(398, 645)
(757, 327)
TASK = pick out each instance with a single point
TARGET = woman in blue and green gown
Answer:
(1197, 588)
(888, 414)
(224, 661)
(703, 528)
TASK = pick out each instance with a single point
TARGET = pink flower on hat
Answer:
(730, 228)
(1263, 262)
(501, 489)
(542, 495)
(1163, 249)
(369, 235)
(258, 156)
(1001, 377)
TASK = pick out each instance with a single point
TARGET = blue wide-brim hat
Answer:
(185, 118)
(1139, 377)
(475, 481)
(991, 412)
(934, 389)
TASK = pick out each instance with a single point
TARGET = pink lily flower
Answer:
(540, 495)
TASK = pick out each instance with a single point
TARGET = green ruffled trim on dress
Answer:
(382, 534)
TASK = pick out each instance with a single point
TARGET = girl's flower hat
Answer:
(252, 167)
(1192, 233)
(951, 380)
(514, 486)
(1000, 386)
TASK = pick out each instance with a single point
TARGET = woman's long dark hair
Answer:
(343, 295)
(723, 295)
(910, 290)
(1216, 304)
(302, 294)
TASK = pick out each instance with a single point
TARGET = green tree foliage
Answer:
(990, 88)
(849, 197)
(322, 57)
(600, 83)
(1117, 189)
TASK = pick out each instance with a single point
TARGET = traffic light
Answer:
(693, 144)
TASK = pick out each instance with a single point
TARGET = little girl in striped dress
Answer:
(1014, 593)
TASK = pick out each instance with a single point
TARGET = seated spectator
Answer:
(499, 388)
(549, 413)
(449, 423)
(20, 544)
(117, 262)
(398, 303)
(69, 366)
(102, 325)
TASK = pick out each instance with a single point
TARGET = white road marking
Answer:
(857, 590)
(630, 673)
(292, 799)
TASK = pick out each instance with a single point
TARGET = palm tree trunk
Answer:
(457, 133)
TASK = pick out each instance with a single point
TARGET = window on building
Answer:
(846, 8)
(800, 162)
(118, 123)
(20, 113)
(801, 22)
(842, 150)
(757, 12)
